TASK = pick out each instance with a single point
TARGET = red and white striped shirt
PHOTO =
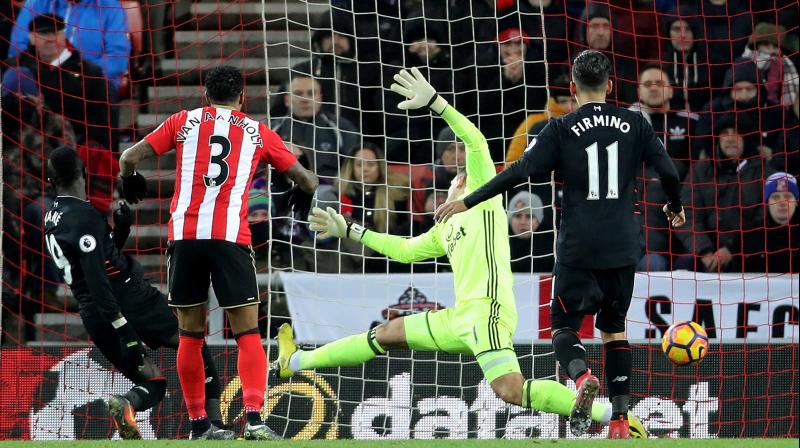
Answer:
(218, 151)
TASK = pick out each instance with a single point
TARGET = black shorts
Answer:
(604, 292)
(145, 308)
(194, 265)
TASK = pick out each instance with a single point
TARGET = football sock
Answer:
(199, 425)
(191, 373)
(252, 366)
(570, 353)
(253, 417)
(349, 351)
(213, 389)
(554, 397)
(147, 394)
(618, 375)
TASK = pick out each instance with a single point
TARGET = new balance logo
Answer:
(619, 379)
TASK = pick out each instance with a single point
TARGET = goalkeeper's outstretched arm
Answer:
(405, 250)
(420, 93)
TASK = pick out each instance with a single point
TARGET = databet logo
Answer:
(488, 417)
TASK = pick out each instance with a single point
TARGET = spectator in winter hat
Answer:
(773, 244)
(258, 214)
(724, 193)
(596, 31)
(746, 97)
(450, 156)
(531, 246)
(767, 47)
(509, 87)
(683, 57)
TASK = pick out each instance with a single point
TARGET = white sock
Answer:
(294, 365)
(606, 415)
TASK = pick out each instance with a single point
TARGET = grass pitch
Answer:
(539, 443)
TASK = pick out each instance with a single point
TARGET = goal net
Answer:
(717, 80)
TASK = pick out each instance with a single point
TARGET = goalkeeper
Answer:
(484, 317)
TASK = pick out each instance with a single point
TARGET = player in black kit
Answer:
(596, 151)
(118, 307)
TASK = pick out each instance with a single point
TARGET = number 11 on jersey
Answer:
(594, 172)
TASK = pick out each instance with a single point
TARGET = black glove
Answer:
(132, 349)
(123, 218)
(300, 202)
(134, 187)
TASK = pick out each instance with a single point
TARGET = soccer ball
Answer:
(685, 343)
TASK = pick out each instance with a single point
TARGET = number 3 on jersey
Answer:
(594, 172)
(218, 159)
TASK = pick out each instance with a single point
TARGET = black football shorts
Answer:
(194, 265)
(604, 292)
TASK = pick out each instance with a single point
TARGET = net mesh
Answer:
(712, 80)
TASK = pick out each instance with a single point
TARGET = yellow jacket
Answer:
(520, 139)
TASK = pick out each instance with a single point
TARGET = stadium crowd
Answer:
(717, 80)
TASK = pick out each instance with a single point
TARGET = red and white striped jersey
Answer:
(217, 152)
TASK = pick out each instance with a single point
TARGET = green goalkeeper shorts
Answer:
(480, 327)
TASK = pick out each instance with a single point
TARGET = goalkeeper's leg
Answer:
(348, 351)
(415, 332)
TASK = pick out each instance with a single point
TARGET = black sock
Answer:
(213, 388)
(254, 418)
(147, 394)
(570, 353)
(618, 376)
(200, 425)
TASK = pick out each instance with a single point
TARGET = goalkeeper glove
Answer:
(134, 187)
(332, 224)
(420, 93)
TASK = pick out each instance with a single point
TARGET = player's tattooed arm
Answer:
(303, 178)
(133, 156)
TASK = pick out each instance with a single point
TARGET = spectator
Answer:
(551, 16)
(373, 199)
(531, 245)
(98, 29)
(594, 31)
(745, 96)
(334, 66)
(559, 103)
(433, 200)
(510, 89)
(68, 84)
(636, 24)
(450, 156)
(722, 197)
(258, 215)
(766, 47)
(674, 128)
(773, 246)
(727, 25)
(683, 57)
(309, 126)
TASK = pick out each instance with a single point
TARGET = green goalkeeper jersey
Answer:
(475, 241)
